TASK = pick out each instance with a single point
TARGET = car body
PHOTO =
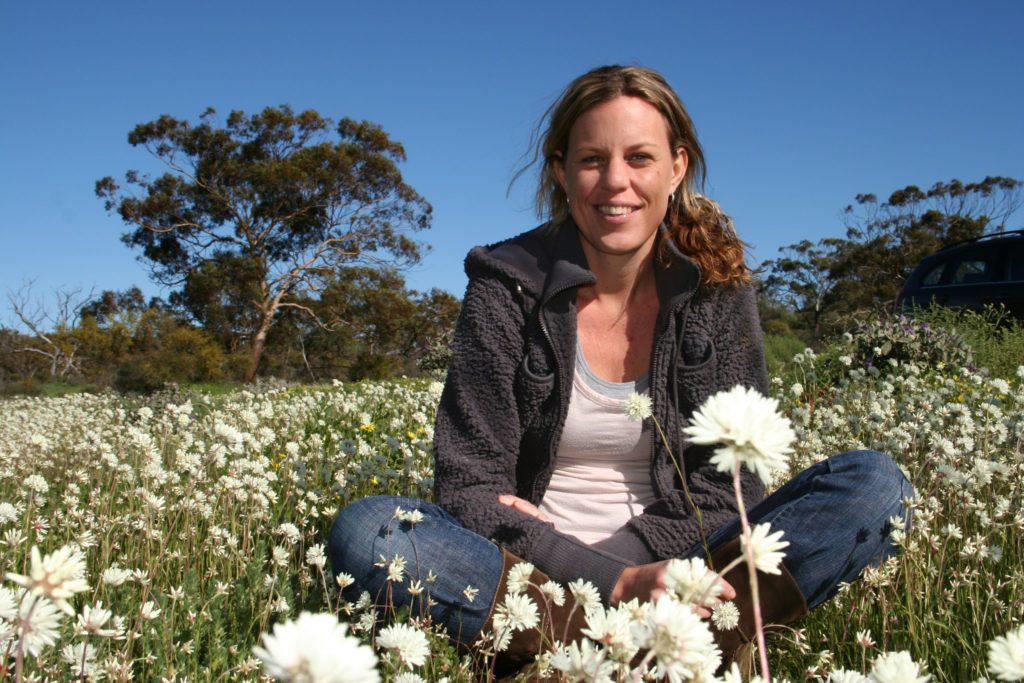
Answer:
(971, 275)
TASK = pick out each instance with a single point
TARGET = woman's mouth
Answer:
(616, 210)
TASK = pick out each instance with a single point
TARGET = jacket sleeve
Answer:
(477, 440)
(727, 319)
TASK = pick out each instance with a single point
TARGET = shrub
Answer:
(995, 337)
(779, 350)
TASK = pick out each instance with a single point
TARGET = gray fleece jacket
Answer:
(505, 401)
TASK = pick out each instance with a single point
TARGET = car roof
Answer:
(989, 238)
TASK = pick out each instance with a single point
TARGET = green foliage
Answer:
(164, 350)
(214, 388)
(376, 328)
(996, 338)
(779, 349)
(884, 341)
(203, 524)
(832, 281)
(941, 339)
(255, 215)
(878, 346)
(956, 432)
(16, 364)
(23, 387)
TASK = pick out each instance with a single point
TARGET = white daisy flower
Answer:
(115, 576)
(611, 627)
(692, 581)
(40, 623)
(82, 660)
(315, 556)
(8, 604)
(585, 594)
(583, 661)
(748, 428)
(847, 676)
(765, 547)
(396, 569)
(92, 621)
(554, 592)
(408, 677)
(315, 648)
(638, 407)
(1006, 656)
(409, 643)
(683, 644)
(519, 577)
(518, 612)
(58, 576)
(725, 616)
(896, 667)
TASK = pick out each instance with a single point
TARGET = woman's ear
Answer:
(679, 165)
(558, 168)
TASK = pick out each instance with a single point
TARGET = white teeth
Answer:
(615, 210)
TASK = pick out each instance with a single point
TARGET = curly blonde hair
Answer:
(698, 225)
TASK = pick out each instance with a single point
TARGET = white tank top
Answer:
(602, 474)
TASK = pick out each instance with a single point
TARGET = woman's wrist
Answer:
(623, 587)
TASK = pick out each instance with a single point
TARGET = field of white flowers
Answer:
(157, 538)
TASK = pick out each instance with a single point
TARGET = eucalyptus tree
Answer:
(254, 215)
(834, 278)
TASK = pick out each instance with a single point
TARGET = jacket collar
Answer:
(550, 258)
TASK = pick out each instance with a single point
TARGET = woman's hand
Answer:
(647, 582)
(523, 506)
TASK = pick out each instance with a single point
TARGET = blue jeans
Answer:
(835, 515)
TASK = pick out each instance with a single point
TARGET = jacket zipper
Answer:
(556, 434)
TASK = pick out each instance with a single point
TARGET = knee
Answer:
(354, 529)
(879, 477)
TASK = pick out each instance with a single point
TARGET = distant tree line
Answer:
(124, 341)
(281, 236)
(819, 288)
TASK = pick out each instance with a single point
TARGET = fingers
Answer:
(524, 506)
(728, 592)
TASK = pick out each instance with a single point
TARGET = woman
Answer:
(636, 283)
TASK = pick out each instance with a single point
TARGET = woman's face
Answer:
(618, 173)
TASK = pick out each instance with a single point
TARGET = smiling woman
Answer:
(618, 173)
(636, 284)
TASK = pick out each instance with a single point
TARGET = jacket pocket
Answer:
(533, 387)
(695, 373)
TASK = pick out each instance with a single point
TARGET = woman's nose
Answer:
(616, 175)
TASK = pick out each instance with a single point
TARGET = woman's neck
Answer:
(620, 276)
(615, 317)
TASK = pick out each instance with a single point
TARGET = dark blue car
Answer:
(969, 275)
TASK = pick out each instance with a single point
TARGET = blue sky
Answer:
(799, 105)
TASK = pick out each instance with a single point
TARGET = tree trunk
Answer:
(259, 340)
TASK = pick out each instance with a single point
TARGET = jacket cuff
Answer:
(628, 545)
(565, 558)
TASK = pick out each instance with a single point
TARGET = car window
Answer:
(932, 277)
(1017, 264)
(972, 270)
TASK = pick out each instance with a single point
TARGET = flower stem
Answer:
(751, 572)
(686, 487)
